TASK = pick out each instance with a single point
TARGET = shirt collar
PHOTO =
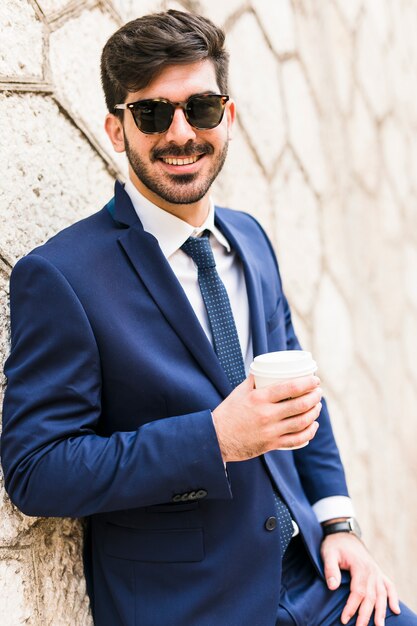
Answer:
(170, 231)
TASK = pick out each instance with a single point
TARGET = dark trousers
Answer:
(305, 599)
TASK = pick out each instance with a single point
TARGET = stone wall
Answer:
(324, 155)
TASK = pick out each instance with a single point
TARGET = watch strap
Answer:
(346, 526)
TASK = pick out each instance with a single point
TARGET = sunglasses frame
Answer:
(176, 105)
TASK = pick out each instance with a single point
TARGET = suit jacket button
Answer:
(271, 523)
(201, 494)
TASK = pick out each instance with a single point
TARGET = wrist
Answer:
(342, 525)
(334, 520)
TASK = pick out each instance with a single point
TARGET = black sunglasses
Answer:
(155, 115)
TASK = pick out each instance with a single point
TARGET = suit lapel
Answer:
(163, 286)
(241, 242)
(160, 281)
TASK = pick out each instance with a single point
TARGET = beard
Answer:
(177, 188)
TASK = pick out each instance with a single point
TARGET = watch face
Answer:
(356, 529)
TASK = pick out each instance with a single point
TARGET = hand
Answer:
(250, 422)
(369, 588)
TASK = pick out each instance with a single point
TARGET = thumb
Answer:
(332, 571)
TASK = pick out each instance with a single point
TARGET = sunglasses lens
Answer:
(205, 112)
(153, 116)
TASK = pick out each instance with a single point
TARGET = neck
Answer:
(194, 213)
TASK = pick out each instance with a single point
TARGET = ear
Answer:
(114, 129)
(231, 116)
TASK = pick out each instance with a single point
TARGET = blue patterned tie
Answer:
(221, 320)
(226, 340)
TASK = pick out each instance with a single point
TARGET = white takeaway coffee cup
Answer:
(275, 367)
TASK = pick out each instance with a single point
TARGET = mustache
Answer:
(190, 149)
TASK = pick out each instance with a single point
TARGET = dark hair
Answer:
(142, 48)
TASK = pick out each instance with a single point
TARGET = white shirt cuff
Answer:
(333, 507)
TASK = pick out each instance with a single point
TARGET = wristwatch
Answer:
(349, 525)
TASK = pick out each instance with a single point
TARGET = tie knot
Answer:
(199, 249)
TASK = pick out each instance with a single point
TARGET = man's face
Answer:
(199, 154)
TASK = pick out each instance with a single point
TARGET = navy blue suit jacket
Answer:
(111, 381)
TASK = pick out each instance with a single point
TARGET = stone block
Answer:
(379, 13)
(312, 50)
(13, 523)
(339, 40)
(396, 158)
(363, 140)
(387, 285)
(363, 411)
(333, 337)
(340, 424)
(393, 384)
(218, 12)
(297, 234)
(56, 178)
(336, 243)
(350, 10)
(82, 37)
(277, 19)
(59, 566)
(362, 233)
(400, 69)
(131, 9)
(52, 7)
(256, 89)
(22, 41)
(368, 330)
(410, 263)
(304, 124)
(15, 609)
(391, 219)
(409, 341)
(412, 157)
(370, 68)
(251, 194)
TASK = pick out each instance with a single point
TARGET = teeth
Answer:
(187, 161)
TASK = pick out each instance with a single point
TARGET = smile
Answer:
(178, 161)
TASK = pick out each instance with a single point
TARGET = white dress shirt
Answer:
(171, 232)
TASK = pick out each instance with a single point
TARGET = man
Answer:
(127, 398)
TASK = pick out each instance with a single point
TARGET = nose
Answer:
(180, 131)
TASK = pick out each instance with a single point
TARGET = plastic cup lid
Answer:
(286, 363)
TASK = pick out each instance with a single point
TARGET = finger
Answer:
(357, 595)
(350, 608)
(297, 440)
(298, 423)
(366, 609)
(296, 408)
(381, 606)
(291, 388)
(332, 569)
(393, 599)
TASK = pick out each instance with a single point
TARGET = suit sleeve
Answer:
(55, 463)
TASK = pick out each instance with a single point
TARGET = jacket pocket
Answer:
(154, 546)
